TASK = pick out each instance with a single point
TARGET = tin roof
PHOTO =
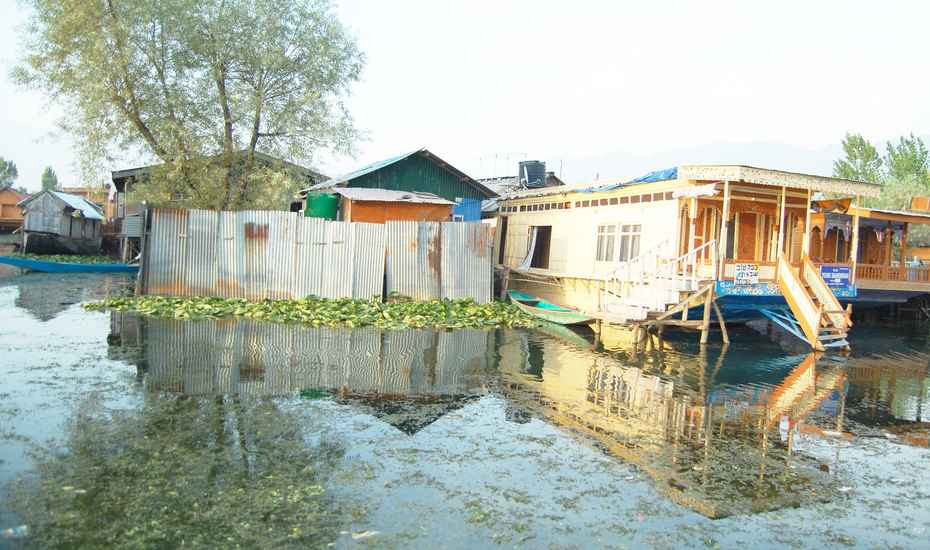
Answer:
(87, 209)
(375, 166)
(387, 195)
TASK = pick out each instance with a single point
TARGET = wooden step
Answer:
(831, 330)
(836, 344)
(828, 337)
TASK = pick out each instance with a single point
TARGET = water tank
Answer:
(322, 205)
(533, 173)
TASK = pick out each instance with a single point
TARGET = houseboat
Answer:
(738, 237)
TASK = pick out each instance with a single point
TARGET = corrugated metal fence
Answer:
(278, 255)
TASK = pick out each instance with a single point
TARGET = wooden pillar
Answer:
(781, 227)
(889, 236)
(692, 231)
(722, 244)
(854, 244)
(806, 244)
(904, 243)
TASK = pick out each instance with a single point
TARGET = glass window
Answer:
(606, 236)
(629, 242)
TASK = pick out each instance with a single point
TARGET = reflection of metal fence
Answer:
(252, 357)
(277, 255)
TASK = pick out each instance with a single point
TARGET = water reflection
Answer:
(406, 378)
(47, 295)
(720, 431)
(717, 448)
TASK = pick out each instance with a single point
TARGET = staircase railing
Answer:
(832, 308)
(804, 309)
(678, 267)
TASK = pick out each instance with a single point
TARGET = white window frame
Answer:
(606, 243)
(629, 242)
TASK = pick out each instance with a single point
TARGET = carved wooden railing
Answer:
(877, 272)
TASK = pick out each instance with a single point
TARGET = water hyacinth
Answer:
(68, 258)
(343, 312)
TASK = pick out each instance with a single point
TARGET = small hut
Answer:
(61, 223)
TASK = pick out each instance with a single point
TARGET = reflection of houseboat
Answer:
(628, 251)
(706, 447)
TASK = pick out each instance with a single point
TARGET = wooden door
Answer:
(746, 241)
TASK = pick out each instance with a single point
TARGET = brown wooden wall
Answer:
(380, 212)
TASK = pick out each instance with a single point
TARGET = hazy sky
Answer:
(608, 88)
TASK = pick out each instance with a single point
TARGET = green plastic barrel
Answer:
(322, 205)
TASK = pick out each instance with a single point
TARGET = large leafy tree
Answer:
(861, 162)
(199, 84)
(8, 172)
(907, 159)
(49, 179)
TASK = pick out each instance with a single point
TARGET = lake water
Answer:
(119, 430)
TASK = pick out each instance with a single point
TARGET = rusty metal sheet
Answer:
(413, 259)
(466, 261)
(368, 269)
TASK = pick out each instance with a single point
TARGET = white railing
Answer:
(685, 267)
(651, 267)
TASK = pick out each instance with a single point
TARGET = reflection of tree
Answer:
(216, 472)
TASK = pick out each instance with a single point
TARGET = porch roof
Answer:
(777, 178)
(891, 215)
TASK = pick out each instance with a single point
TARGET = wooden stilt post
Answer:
(705, 326)
(723, 323)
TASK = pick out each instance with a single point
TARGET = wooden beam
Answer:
(705, 323)
(723, 323)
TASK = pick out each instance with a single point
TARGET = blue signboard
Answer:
(835, 275)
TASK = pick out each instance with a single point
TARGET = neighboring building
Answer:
(11, 215)
(127, 215)
(60, 223)
(531, 174)
(383, 205)
(97, 194)
(419, 171)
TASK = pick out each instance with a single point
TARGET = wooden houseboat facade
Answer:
(736, 237)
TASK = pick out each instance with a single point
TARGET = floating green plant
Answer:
(68, 258)
(344, 312)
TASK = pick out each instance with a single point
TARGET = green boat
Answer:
(541, 309)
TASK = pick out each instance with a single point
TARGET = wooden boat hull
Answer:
(64, 267)
(546, 311)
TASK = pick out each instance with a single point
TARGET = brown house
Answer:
(11, 215)
(383, 205)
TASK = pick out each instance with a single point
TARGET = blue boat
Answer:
(66, 267)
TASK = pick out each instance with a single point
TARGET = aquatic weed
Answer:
(342, 312)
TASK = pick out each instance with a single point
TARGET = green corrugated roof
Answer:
(375, 166)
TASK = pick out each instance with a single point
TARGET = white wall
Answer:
(574, 233)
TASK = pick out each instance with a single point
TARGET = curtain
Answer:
(529, 252)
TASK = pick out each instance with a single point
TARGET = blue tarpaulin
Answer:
(469, 209)
(658, 175)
